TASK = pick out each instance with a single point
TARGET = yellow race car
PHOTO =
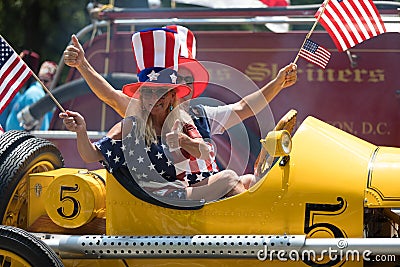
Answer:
(323, 198)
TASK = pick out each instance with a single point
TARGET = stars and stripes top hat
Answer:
(187, 58)
(156, 53)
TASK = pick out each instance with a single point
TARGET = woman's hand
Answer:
(287, 75)
(173, 138)
(73, 121)
(74, 53)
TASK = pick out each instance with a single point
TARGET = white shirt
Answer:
(218, 118)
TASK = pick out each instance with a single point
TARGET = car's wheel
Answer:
(20, 248)
(26, 155)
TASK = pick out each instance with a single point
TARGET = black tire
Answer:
(28, 155)
(10, 139)
(20, 244)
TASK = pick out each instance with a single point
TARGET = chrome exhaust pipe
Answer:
(261, 247)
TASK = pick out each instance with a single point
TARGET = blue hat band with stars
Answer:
(158, 75)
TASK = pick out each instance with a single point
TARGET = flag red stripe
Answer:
(14, 73)
(330, 21)
(334, 37)
(13, 80)
(361, 27)
(209, 165)
(9, 69)
(342, 22)
(12, 95)
(350, 22)
(310, 57)
(319, 55)
(314, 62)
(380, 21)
(371, 19)
(15, 90)
(194, 167)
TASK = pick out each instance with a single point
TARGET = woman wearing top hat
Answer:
(157, 143)
(192, 73)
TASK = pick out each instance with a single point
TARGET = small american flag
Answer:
(13, 74)
(315, 53)
(350, 22)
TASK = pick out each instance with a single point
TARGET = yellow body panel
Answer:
(384, 175)
(323, 182)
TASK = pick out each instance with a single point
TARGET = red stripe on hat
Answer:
(134, 58)
(148, 49)
(170, 49)
(173, 27)
(189, 42)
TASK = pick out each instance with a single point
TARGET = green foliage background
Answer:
(43, 26)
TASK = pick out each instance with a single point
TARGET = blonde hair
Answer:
(145, 129)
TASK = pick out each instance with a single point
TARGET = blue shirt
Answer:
(7, 110)
(33, 94)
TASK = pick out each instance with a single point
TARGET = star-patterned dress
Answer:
(153, 167)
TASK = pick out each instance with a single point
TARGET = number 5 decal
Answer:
(75, 203)
(310, 228)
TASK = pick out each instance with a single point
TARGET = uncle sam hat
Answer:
(187, 58)
(156, 53)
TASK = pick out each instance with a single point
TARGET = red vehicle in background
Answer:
(359, 91)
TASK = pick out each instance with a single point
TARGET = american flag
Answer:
(13, 74)
(350, 22)
(315, 53)
(152, 166)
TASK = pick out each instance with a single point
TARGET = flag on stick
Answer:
(13, 74)
(350, 22)
(315, 53)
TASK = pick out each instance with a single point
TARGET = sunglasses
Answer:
(185, 79)
(158, 93)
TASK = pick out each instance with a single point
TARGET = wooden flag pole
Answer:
(37, 78)
(312, 29)
(48, 92)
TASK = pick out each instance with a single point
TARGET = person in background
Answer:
(32, 60)
(30, 95)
